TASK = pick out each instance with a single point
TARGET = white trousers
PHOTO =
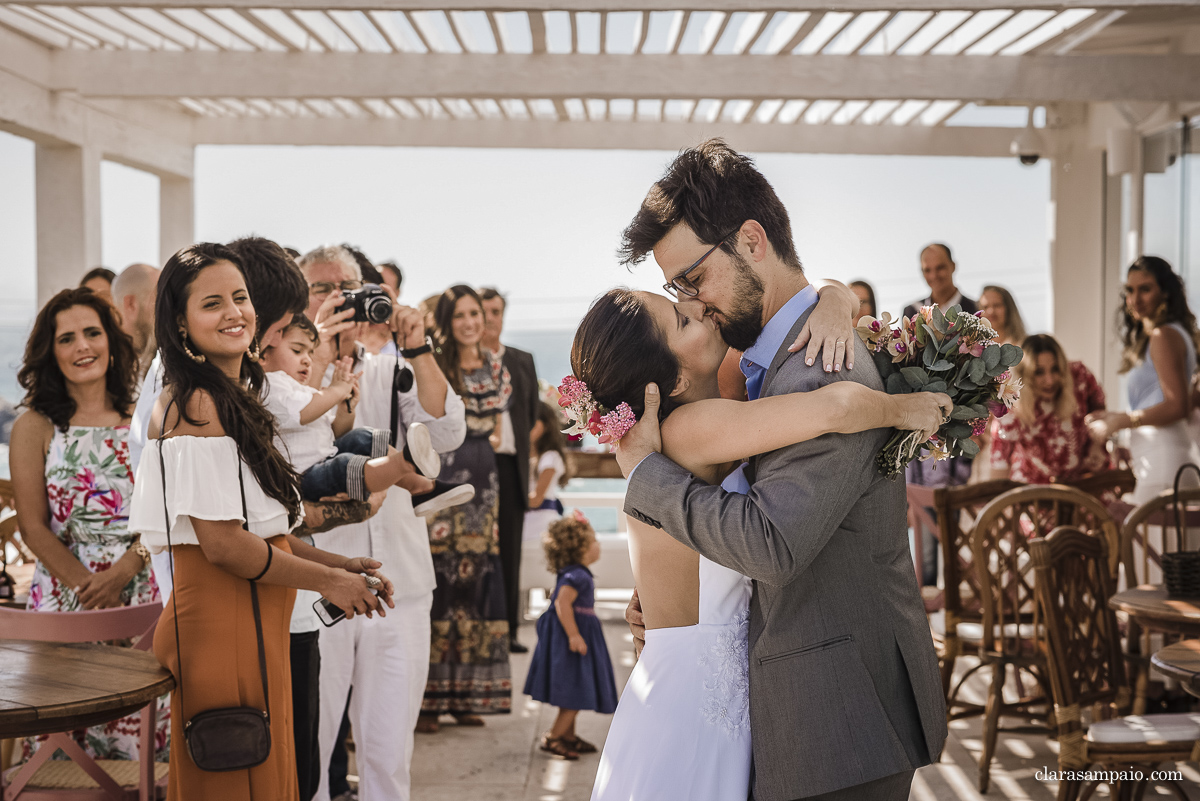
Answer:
(386, 660)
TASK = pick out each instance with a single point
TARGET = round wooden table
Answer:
(1150, 605)
(1181, 662)
(52, 687)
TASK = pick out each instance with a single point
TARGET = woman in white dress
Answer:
(682, 729)
(1159, 332)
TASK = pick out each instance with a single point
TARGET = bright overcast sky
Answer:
(543, 225)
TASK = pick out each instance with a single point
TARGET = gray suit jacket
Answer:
(844, 683)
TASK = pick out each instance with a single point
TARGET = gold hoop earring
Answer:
(198, 359)
(254, 352)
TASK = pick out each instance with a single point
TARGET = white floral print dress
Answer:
(89, 483)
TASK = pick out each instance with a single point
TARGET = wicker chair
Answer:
(1012, 634)
(951, 512)
(1142, 557)
(1073, 583)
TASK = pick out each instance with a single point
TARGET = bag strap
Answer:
(262, 653)
(1178, 506)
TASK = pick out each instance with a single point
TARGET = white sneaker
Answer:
(418, 449)
(442, 496)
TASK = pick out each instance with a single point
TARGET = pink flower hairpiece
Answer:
(586, 415)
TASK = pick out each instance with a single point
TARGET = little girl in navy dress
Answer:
(571, 668)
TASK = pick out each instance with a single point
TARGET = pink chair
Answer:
(89, 626)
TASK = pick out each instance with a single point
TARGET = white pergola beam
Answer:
(800, 138)
(57, 119)
(1090, 78)
(630, 5)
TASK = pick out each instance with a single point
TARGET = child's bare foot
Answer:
(416, 484)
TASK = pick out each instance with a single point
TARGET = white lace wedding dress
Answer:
(682, 728)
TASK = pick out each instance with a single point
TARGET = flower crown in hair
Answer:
(587, 415)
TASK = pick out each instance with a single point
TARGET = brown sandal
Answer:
(558, 746)
(468, 719)
(427, 724)
(580, 745)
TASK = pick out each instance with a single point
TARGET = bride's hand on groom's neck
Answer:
(644, 438)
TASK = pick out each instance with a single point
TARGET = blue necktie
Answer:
(754, 377)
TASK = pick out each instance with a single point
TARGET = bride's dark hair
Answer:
(239, 409)
(619, 349)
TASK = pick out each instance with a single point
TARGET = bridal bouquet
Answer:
(951, 352)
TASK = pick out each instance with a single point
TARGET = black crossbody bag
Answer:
(236, 737)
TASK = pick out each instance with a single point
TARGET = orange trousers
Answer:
(219, 650)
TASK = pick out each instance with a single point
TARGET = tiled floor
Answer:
(501, 762)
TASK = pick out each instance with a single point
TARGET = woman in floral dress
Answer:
(469, 672)
(1045, 439)
(69, 460)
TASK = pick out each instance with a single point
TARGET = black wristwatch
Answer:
(421, 350)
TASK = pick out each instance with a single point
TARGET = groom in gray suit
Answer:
(845, 697)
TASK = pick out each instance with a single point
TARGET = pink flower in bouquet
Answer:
(979, 426)
(1008, 388)
(616, 424)
(875, 332)
(900, 347)
(593, 423)
(974, 348)
(997, 409)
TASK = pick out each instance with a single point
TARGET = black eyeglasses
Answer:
(681, 284)
(322, 288)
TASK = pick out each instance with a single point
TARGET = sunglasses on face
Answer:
(682, 284)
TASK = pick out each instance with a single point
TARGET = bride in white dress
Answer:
(682, 728)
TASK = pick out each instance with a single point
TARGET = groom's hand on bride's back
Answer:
(637, 623)
(644, 438)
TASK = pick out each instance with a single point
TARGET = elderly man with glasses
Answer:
(387, 659)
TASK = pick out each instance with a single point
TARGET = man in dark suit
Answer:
(511, 443)
(937, 268)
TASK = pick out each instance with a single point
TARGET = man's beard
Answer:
(743, 322)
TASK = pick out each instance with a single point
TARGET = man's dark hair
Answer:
(370, 275)
(491, 293)
(394, 269)
(712, 189)
(98, 272)
(941, 245)
(276, 285)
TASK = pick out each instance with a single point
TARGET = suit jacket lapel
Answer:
(781, 356)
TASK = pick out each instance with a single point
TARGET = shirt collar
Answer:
(763, 351)
(954, 301)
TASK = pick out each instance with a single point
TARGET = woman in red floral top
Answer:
(1045, 439)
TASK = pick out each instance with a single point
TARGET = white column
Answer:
(176, 215)
(1077, 248)
(68, 215)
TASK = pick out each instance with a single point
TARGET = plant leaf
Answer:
(969, 448)
(976, 371)
(965, 413)
(939, 321)
(991, 357)
(915, 376)
(1011, 355)
(958, 430)
(941, 365)
(896, 385)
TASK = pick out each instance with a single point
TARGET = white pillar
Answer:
(1077, 248)
(67, 181)
(176, 215)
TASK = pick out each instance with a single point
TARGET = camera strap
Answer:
(262, 655)
(402, 381)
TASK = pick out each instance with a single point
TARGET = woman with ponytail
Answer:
(214, 483)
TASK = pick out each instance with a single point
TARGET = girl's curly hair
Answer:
(566, 541)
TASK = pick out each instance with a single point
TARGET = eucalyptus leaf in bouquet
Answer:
(947, 351)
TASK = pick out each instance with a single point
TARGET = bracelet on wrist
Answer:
(420, 350)
(1136, 417)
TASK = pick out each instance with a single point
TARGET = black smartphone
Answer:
(328, 612)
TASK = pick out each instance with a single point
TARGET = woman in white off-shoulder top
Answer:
(216, 441)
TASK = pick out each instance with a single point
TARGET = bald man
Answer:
(133, 294)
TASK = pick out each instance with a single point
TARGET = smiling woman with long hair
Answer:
(232, 500)
(69, 461)
(1159, 360)
(469, 673)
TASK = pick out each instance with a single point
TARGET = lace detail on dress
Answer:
(727, 701)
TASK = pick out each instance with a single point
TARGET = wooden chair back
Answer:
(1000, 545)
(90, 625)
(1073, 584)
(1150, 529)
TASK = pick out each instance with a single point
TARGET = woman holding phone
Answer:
(216, 490)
